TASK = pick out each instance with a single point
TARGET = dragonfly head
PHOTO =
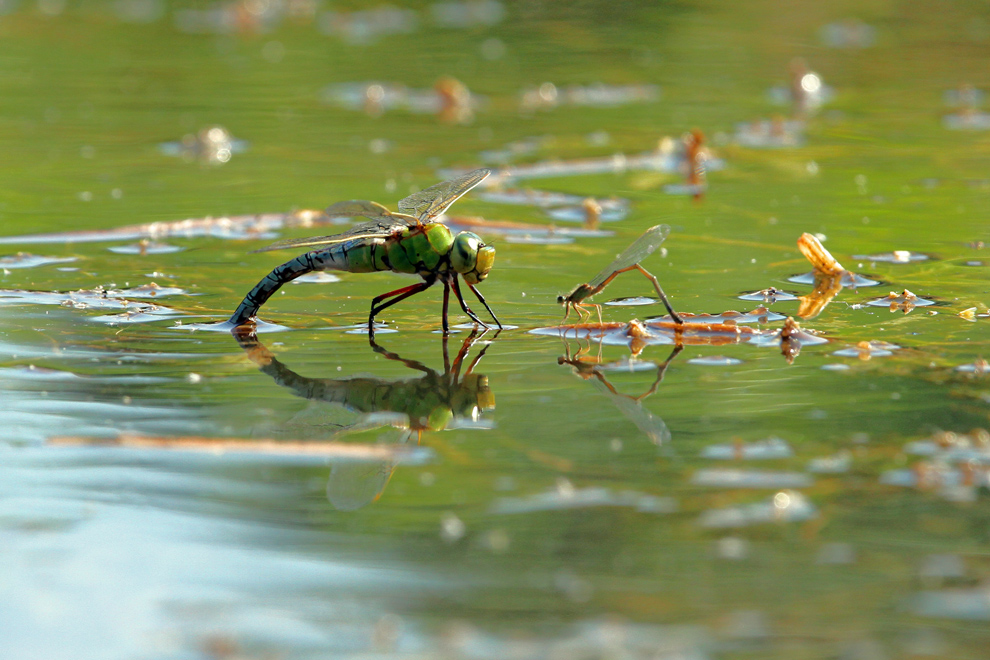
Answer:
(470, 257)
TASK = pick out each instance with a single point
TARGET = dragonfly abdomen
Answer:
(366, 258)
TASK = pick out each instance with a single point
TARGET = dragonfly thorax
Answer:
(577, 295)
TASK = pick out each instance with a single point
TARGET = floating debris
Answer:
(259, 326)
(715, 361)
(846, 279)
(213, 145)
(468, 14)
(697, 330)
(848, 34)
(610, 206)
(449, 99)
(770, 448)
(367, 26)
(967, 120)
(232, 227)
(836, 366)
(970, 314)
(513, 150)
(836, 554)
(239, 16)
(792, 338)
(964, 96)
(318, 277)
(865, 350)
(821, 259)
(903, 302)
(145, 314)
(758, 315)
(805, 93)
(776, 133)
(590, 212)
(965, 604)
(547, 96)
(979, 367)
(667, 158)
(692, 189)
(951, 447)
(98, 298)
(828, 277)
(146, 247)
(895, 257)
(692, 162)
(785, 506)
(26, 260)
(632, 301)
(735, 478)
(838, 464)
(769, 295)
(149, 290)
(567, 497)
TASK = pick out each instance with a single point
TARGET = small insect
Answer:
(406, 242)
(641, 248)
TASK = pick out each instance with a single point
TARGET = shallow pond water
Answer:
(174, 492)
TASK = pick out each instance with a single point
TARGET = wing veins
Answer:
(641, 248)
(433, 201)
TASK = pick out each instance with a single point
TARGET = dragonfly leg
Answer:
(446, 302)
(460, 299)
(663, 297)
(400, 294)
(485, 303)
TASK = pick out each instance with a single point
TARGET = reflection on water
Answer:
(433, 402)
(164, 496)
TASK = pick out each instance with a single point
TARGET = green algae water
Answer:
(172, 492)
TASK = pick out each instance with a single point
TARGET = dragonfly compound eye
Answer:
(470, 257)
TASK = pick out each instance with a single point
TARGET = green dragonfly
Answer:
(410, 241)
(641, 248)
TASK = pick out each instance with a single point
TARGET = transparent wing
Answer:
(641, 248)
(436, 199)
(358, 207)
(374, 229)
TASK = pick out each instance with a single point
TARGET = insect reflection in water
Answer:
(593, 369)
(456, 398)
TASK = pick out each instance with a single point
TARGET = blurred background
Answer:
(171, 492)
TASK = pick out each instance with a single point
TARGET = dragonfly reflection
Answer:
(435, 401)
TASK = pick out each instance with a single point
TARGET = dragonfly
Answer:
(641, 248)
(410, 241)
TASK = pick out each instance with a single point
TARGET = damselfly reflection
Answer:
(593, 368)
(435, 401)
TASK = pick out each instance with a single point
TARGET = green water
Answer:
(131, 553)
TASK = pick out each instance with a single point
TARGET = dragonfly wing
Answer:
(436, 199)
(641, 248)
(358, 207)
(367, 230)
